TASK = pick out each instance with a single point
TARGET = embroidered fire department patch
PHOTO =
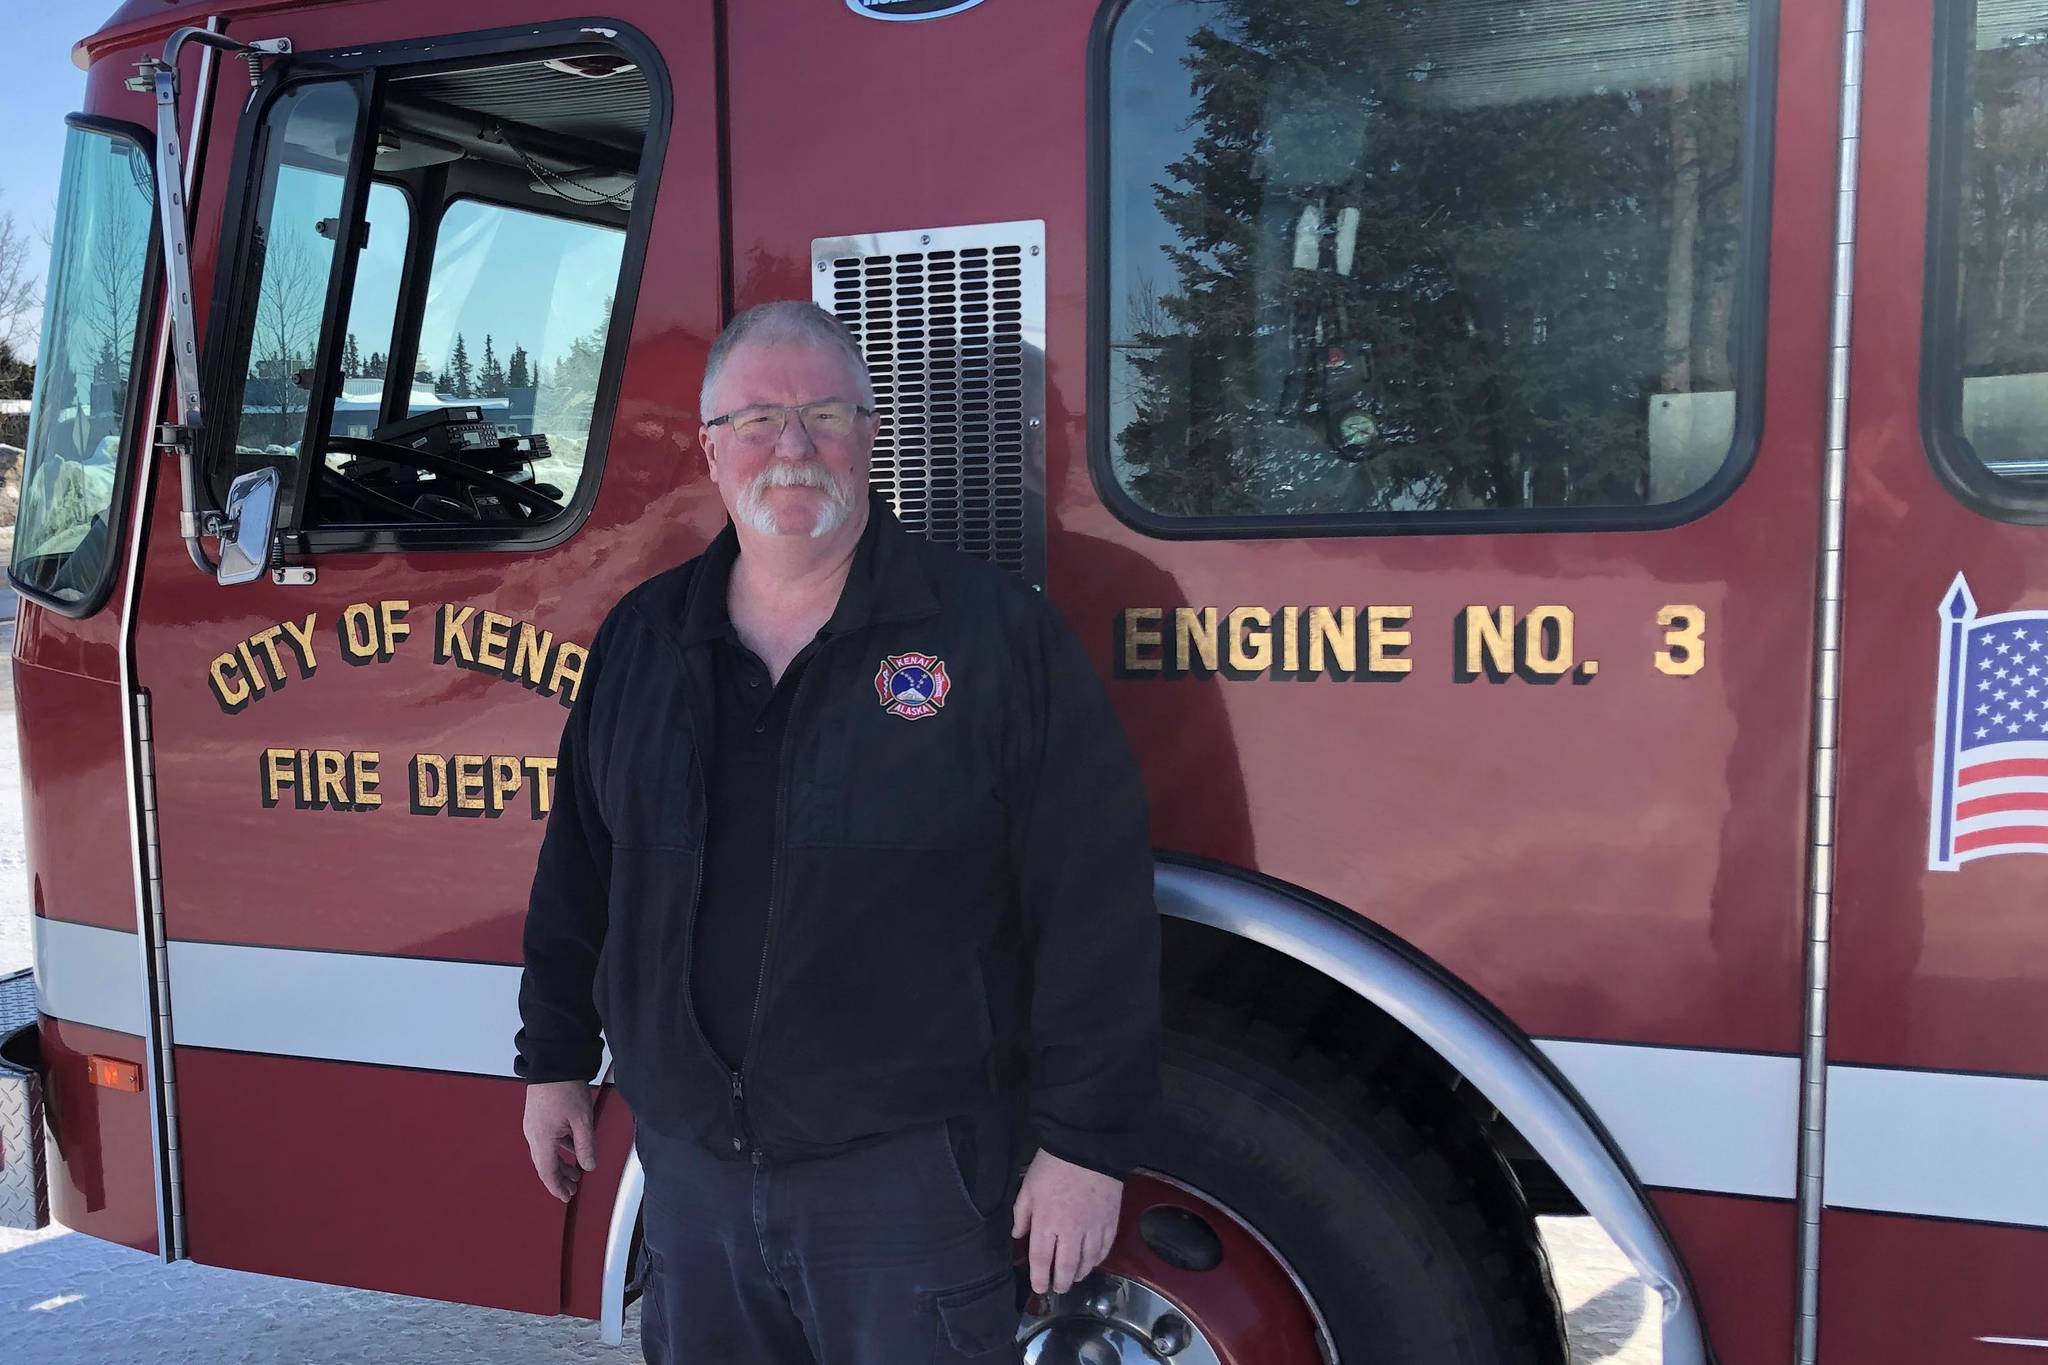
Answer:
(912, 686)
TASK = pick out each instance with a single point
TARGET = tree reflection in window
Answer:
(64, 539)
(1374, 256)
(2002, 241)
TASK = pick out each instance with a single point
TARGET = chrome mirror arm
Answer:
(180, 435)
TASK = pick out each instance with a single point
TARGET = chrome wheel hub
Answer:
(1105, 1319)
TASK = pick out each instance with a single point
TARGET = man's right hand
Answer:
(559, 1134)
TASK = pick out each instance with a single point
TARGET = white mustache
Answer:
(795, 474)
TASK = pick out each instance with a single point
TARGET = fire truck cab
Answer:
(1550, 485)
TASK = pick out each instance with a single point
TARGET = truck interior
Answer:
(447, 374)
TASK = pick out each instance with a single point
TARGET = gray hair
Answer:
(783, 322)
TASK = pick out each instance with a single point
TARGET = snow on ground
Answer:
(67, 1299)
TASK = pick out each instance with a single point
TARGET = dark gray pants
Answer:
(895, 1253)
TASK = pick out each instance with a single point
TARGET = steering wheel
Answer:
(363, 495)
(536, 503)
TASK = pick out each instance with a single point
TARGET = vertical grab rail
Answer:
(1813, 1061)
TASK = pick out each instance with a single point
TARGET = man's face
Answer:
(800, 483)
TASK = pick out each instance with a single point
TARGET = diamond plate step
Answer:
(24, 1178)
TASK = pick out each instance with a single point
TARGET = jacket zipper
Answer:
(774, 886)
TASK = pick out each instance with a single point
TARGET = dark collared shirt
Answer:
(752, 715)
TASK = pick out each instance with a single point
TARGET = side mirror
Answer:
(252, 506)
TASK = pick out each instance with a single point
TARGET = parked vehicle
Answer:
(1553, 486)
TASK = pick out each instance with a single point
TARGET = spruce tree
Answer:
(491, 377)
(459, 370)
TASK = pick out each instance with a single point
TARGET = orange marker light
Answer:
(114, 1073)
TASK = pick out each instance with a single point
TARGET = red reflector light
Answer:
(114, 1074)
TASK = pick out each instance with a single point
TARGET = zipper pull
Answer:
(738, 1099)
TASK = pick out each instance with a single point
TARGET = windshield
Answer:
(85, 366)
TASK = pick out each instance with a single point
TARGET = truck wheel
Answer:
(1292, 1212)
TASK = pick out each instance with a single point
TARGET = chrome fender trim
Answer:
(1505, 1069)
(618, 1249)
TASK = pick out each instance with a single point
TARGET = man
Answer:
(849, 860)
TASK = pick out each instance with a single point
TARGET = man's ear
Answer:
(710, 455)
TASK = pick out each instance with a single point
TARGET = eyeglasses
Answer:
(828, 419)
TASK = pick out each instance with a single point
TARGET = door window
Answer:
(309, 132)
(1987, 344)
(1378, 262)
(529, 357)
(372, 312)
(431, 368)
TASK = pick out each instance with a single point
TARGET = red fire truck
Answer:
(1551, 484)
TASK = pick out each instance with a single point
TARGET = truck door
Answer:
(443, 299)
(1938, 1018)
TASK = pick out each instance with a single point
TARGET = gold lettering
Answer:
(1546, 651)
(1337, 633)
(230, 691)
(453, 642)
(329, 785)
(530, 653)
(1685, 640)
(1290, 639)
(396, 627)
(358, 633)
(364, 764)
(249, 668)
(1383, 636)
(278, 773)
(267, 640)
(301, 634)
(1195, 637)
(1250, 639)
(543, 769)
(569, 669)
(1141, 631)
(429, 783)
(504, 780)
(469, 781)
(1489, 633)
(491, 638)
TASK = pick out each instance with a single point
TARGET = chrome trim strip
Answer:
(1457, 1031)
(1719, 1122)
(157, 1082)
(1937, 1144)
(1813, 1082)
(85, 974)
(618, 1247)
(431, 1014)
(347, 1007)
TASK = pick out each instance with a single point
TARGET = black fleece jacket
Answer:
(961, 916)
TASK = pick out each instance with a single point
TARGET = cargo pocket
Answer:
(979, 1319)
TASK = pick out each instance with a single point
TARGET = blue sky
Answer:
(42, 86)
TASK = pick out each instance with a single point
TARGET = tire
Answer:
(1403, 1224)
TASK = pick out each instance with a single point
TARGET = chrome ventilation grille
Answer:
(952, 322)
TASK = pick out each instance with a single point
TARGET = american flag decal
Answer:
(1990, 734)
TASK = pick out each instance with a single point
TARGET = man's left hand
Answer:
(1070, 1214)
